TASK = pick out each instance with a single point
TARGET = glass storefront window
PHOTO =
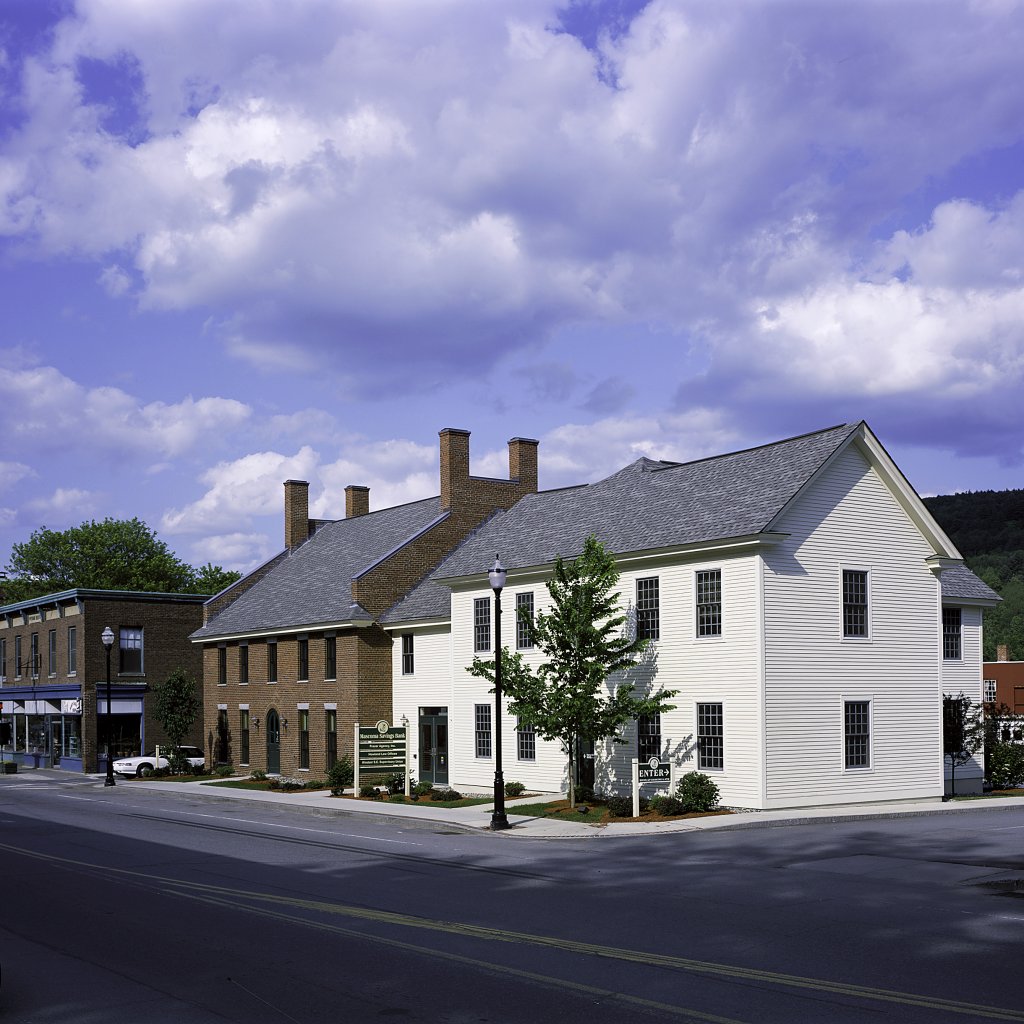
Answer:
(72, 737)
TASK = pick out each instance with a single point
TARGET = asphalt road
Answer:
(160, 907)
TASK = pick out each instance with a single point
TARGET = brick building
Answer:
(1004, 681)
(53, 708)
(293, 654)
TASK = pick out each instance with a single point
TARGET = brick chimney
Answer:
(522, 463)
(454, 463)
(296, 512)
(357, 501)
(1002, 652)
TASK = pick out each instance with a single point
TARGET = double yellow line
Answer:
(276, 907)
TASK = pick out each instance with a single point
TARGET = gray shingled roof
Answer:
(960, 584)
(651, 505)
(646, 505)
(313, 583)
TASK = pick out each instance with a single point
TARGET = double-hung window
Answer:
(131, 650)
(72, 650)
(648, 609)
(17, 657)
(951, 634)
(855, 603)
(243, 736)
(34, 655)
(3, 660)
(526, 741)
(857, 733)
(990, 691)
(482, 721)
(710, 737)
(243, 663)
(331, 731)
(648, 737)
(408, 655)
(222, 665)
(482, 624)
(51, 653)
(304, 738)
(709, 602)
(271, 661)
(524, 620)
(303, 658)
(330, 657)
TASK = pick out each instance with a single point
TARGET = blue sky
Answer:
(245, 241)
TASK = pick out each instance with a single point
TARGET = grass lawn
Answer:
(466, 801)
(262, 784)
(597, 813)
(996, 794)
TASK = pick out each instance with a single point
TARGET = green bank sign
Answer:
(381, 747)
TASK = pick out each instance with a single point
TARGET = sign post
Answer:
(380, 748)
(653, 770)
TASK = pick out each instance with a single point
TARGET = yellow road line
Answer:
(570, 945)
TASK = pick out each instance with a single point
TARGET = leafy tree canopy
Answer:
(177, 704)
(585, 640)
(116, 554)
(988, 529)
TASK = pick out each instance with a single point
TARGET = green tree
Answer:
(963, 732)
(177, 704)
(585, 640)
(212, 579)
(115, 554)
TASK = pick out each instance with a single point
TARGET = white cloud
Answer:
(41, 405)
(66, 505)
(508, 181)
(13, 472)
(240, 551)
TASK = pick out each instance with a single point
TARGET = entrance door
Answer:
(56, 741)
(585, 763)
(273, 743)
(434, 746)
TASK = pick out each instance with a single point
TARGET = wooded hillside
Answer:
(988, 528)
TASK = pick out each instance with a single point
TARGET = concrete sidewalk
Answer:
(479, 815)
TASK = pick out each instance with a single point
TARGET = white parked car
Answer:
(145, 763)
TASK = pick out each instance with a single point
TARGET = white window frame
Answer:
(959, 633)
(708, 637)
(853, 639)
(989, 686)
(697, 704)
(857, 698)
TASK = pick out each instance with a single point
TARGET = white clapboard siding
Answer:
(850, 519)
(430, 685)
(723, 670)
(963, 675)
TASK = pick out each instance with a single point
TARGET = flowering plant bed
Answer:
(270, 785)
(466, 801)
(598, 813)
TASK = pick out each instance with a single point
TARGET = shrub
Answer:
(395, 783)
(666, 806)
(697, 792)
(445, 794)
(369, 792)
(422, 788)
(398, 798)
(620, 806)
(273, 783)
(314, 784)
(584, 795)
(258, 776)
(514, 789)
(341, 775)
(10, 767)
(222, 771)
(1006, 765)
(178, 763)
(291, 785)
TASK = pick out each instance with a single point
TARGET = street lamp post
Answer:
(499, 820)
(107, 636)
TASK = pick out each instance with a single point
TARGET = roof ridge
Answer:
(761, 447)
